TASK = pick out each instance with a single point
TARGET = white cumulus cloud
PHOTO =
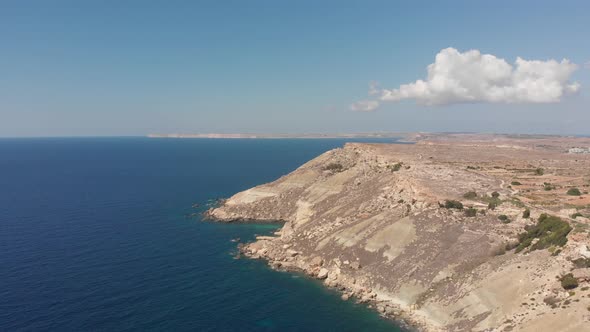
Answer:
(470, 77)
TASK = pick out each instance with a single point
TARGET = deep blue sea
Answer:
(94, 236)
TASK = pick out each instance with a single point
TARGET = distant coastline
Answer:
(280, 136)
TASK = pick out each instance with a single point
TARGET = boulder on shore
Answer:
(323, 273)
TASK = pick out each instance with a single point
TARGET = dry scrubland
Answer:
(453, 233)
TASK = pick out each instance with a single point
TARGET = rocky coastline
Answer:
(428, 234)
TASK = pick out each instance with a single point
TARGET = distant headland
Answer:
(457, 232)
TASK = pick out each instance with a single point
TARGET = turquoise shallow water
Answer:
(94, 237)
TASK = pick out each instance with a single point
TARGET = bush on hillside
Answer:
(574, 192)
(452, 204)
(471, 212)
(336, 167)
(550, 230)
(470, 195)
(568, 281)
(526, 214)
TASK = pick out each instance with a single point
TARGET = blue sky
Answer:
(139, 67)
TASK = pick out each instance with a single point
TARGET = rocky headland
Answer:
(453, 233)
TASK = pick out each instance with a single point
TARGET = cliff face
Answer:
(370, 220)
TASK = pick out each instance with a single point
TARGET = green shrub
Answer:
(495, 194)
(395, 167)
(526, 214)
(336, 167)
(504, 218)
(470, 195)
(550, 230)
(515, 183)
(452, 204)
(471, 212)
(574, 192)
(577, 214)
(568, 281)
(493, 201)
(539, 171)
(548, 186)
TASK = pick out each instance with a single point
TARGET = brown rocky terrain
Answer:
(438, 233)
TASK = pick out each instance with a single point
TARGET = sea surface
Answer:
(96, 235)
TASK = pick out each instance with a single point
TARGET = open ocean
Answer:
(94, 236)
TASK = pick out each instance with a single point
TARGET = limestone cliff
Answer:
(371, 220)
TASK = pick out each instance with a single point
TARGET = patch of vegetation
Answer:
(551, 301)
(581, 263)
(548, 186)
(568, 281)
(554, 250)
(495, 194)
(471, 212)
(470, 195)
(504, 218)
(526, 214)
(539, 171)
(395, 167)
(577, 214)
(452, 204)
(471, 167)
(550, 230)
(335, 167)
(515, 183)
(574, 192)
(493, 202)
